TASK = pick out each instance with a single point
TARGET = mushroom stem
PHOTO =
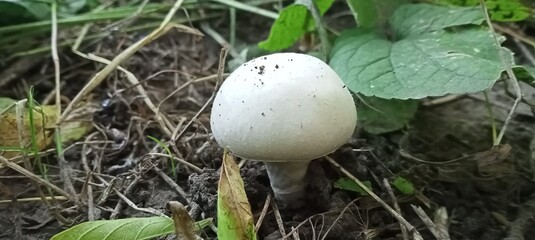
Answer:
(288, 181)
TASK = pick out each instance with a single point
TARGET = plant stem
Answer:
(492, 121)
(322, 32)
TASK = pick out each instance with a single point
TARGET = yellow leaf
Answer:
(234, 217)
(44, 121)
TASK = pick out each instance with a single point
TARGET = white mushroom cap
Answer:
(283, 107)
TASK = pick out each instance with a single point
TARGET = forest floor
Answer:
(471, 188)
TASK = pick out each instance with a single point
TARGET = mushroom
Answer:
(284, 109)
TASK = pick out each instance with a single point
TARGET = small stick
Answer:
(396, 206)
(36, 199)
(338, 218)
(508, 70)
(440, 218)
(135, 207)
(35, 178)
(295, 233)
(439, 233)
(128, 189)
(263, 213)
(172, 183)
(89, 189)
(415, 234)
(278, 217)
(197, 169)
(220, 74)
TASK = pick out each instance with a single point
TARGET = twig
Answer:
(111, 187)
(440, 218)
(135, 207)
(278, 217)
(396, 206)
(197, 169)
(89, 189)
(207, 78)
(220, 73)
(527, 52)
(322, 32)
(439, 233)
(248, 8)
(263, 213)
(516, 35)
(35, 178)
(64, 168)
(339, 217)
(102, 74)
(173, 184)
(27, 169)
(36, 199)
(220, 39)
(509, 70)
(441, 100)
(415, 234)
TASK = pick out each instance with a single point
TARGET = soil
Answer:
(488, 193)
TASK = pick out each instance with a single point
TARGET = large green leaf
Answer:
(378, 115)
(427, 60)
(128, 228)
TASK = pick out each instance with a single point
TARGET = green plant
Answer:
(499, 10)
(400, 53)
(128, 228)
(168, 151)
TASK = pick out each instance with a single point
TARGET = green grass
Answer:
(33, 133)
(162, 145)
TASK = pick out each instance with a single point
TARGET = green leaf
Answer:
(292, 23)
(523, 73)
(415, 19)
(378, 115)
(287, 29)
(365, 12)
(350, 185)
(234, 216)
(19, 11)
(433, 63)
(128, 228)
(403, 185)
(70, 7)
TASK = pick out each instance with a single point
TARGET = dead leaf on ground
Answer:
(234, 217)
(44, 120)
(184, 224)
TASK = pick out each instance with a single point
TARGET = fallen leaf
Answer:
(184, 224)
(234, 217)
(77, 125)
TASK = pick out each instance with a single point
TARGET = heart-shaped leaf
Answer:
(426, 60)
